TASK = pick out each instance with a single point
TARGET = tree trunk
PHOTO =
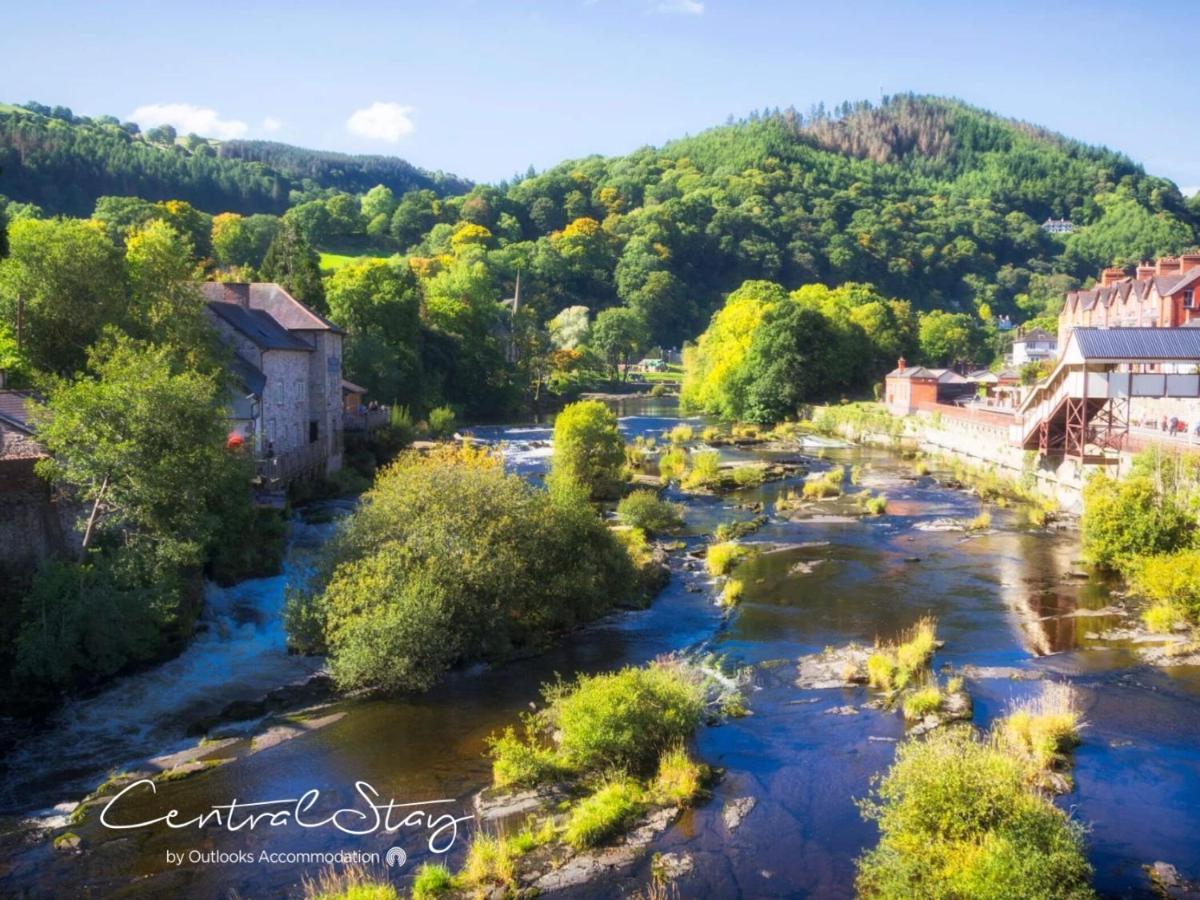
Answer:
(91, 522)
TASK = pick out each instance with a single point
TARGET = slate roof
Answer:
(14, 409)
(1036, 335)
(351, 388)
(913, 372)
(258, 326)
(248, 376)
(1138, 343)
(286, 309)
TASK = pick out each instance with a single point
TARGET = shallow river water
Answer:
(1007, 597)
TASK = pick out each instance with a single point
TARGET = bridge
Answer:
(1081, 409)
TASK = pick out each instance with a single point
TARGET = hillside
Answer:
(63, 162)
(928, 199)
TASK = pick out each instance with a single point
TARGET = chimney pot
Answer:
(1167, 265)
(1111, 275)
(1189, 261)
(900, 364)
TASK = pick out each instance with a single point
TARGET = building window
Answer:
(1188, 300)
(314, 431)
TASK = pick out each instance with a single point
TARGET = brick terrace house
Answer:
(1160, 296)
(288, 365)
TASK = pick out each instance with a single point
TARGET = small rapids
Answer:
(239, 652)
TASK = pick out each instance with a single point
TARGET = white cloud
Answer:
(270, 123)
(682, 7)
(188, 119)
(381, 122)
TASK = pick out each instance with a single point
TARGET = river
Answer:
(1008, 597)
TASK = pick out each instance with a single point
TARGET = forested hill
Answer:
(62, 163)
(928, 199)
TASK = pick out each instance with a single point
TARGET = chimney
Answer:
(1189, 261)
(1145, 271)
(900, 364)
(1111, 275)
(236, 292)
(1167, 265)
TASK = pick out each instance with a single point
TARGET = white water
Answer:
(239, 653)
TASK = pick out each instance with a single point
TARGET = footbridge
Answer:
(1081, 409)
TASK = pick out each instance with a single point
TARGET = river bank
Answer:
(1014, 607)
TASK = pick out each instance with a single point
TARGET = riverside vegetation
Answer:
(1144, 527)
(405, 589)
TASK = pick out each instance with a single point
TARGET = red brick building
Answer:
(1164, 295)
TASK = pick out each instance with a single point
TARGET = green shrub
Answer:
(881, 671)
(645, 510)
(604, 814)
(588, 450)
(623, 719)
(659, 390)
(682, 434)
(350, 883)
(1161, 618)
(519, 763)
(1041, 730)
(981, 522)
(432, 880)
(922, 702)
(710, 433)
(957, 819)
(721, 558)
(874, 506)
(680, 778)
(1126, 520)
(1170, 580)
(731, 594)
(403, 591)
(672, 464)
(748, 476)
(490, 864)
(828, 484)
(401, 426)
(893, 667)
(442, 421)
(705, 469)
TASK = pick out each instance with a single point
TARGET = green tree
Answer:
(378, 201)
(403, 592)
(788, 364)
(588, 450)
(232, 241)
(63, 278)
(619, 335)
(292, 262)
(378, 302)
(947, 338)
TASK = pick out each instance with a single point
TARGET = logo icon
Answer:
(396, 857)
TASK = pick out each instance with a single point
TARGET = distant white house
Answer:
(1033, 346)
(1058, 226)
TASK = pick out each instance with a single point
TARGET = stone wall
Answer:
(32, 525)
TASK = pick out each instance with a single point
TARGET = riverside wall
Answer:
(983, 439)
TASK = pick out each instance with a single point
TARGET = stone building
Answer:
(288, 365)
(33, 524)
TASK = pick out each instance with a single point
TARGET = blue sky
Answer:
(485, 89)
